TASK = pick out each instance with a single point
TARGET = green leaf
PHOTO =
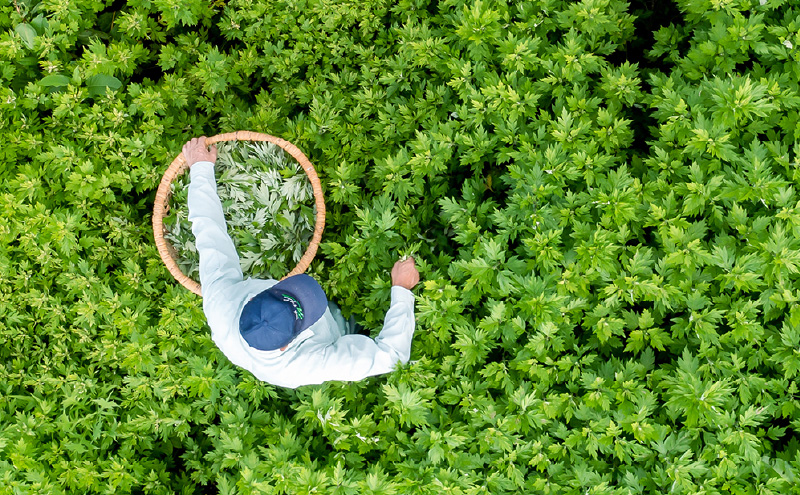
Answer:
(284, 220)
(99, 84)
(27, 33)
(409, 406)
(40, 23)
(54, 80)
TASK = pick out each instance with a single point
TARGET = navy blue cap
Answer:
(274, 317)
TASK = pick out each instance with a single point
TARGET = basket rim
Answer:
(179, 165)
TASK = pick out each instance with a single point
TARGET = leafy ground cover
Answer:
(601, 195)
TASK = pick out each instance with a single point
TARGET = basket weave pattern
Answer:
(179, 166)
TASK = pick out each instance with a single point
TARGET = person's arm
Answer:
(354, 357)
(219, 263)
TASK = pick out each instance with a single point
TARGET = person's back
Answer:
(285, 333)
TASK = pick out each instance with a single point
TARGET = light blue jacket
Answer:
(320, 353)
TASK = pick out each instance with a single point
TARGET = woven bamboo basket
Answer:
(179, 166)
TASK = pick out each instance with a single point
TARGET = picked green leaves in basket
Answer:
(269, 208)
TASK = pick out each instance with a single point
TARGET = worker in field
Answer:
(285, 333)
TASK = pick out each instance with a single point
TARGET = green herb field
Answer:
(602, 198)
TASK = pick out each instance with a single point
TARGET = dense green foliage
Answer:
(602, 199)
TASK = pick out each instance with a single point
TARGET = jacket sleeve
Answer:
(354, 357)
(219, 263)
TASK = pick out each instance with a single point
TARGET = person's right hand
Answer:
(405, 274)
(195, 151)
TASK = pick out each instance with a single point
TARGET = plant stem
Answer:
(19, 11)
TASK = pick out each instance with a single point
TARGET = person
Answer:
(285, 333)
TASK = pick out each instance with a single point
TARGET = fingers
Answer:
(194, 143)
(408, 266)
(196, 150)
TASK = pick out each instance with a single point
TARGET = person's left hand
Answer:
(195, 151)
